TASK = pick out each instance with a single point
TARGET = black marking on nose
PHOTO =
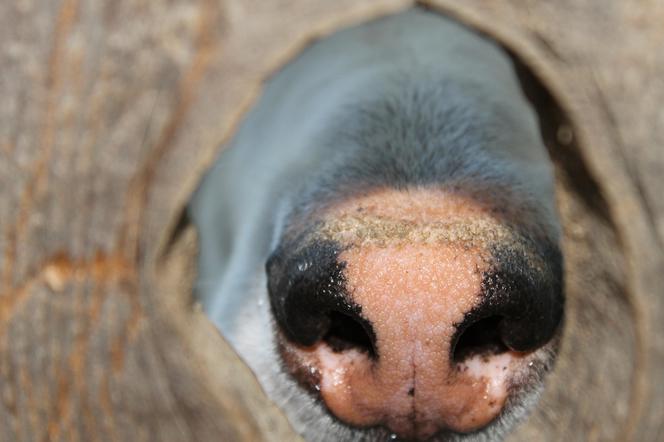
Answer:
(522, 306)
(307, 289)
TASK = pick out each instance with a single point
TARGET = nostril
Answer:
(480, 338)
(310, 301)
(524, 290)
(347, 333)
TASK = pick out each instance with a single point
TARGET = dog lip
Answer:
(309, 370)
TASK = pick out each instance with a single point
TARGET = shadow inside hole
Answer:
(558, 135)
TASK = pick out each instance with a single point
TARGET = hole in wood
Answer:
(394, 177)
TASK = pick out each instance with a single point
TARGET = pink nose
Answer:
(413, 296)
(408, 326)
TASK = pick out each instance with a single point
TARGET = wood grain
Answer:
(110, 113)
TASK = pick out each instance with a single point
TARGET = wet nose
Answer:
(414, 337)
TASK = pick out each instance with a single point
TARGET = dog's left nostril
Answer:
(347, 333)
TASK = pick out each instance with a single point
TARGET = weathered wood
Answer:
(110, 113)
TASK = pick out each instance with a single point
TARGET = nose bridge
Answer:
(414, 295)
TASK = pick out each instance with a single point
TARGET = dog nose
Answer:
(417, 336)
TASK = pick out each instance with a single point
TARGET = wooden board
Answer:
(110, 113)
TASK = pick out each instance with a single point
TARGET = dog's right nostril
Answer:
(346, 332)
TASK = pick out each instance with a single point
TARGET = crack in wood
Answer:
(640, 386)
(71, 379)
(59, 270)
(140, 185)
(64, 23)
